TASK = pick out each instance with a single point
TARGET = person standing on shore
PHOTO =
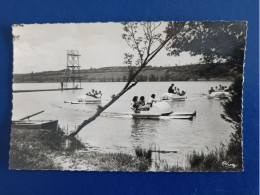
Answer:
(61, 84)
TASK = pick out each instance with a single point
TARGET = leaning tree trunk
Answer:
(101, 109)
(127, 87)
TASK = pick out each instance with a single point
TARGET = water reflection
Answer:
(144, 131)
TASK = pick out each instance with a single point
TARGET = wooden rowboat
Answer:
(26, 123)
(36, 124)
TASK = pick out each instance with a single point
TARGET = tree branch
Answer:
(130, 29)
(100, 110)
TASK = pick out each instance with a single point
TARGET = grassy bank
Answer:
(51, 150)
(223, 158)
(47, 150)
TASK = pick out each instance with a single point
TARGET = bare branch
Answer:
(140, 45)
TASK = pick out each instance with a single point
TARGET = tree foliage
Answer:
(233, 114)
(218, 41)
(214, 40)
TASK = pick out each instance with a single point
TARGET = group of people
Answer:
(219, 88)
(176, 90)
(139, 104)
(94, 93)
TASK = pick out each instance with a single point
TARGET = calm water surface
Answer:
(116, 131)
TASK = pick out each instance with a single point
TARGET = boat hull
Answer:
(36, 124)
(219, 95)
(87, 102)
(145, 116)
(170, 116)
(172, 97)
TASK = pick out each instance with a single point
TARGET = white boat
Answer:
(172, 97)
(184, 113)
(87, 102)
(158, 109)
(190, 117)
(85, 99)
(219, 95)
(183, 117)
(161, 110)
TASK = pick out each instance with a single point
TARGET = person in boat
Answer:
(95, 94)
(91, 93)
(142, 105)
(142, 101)
(151, 101)
(98, 95)
(182, 93)
(227, 89)
(135, 105)
(220, 87)
(170, 90)
(178, 91)
(211, 90)
(175, 90)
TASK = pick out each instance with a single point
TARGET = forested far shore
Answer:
(218, 71)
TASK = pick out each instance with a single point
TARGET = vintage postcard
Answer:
(133, 96)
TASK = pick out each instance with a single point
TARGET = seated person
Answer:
(142, 101)
(220, 88)
(227, 89)
(170, 90)
(93, 93)
(151, 101)
(175, 90)
(135, 105)
(98, 95)
(142, 104)
(211, 90)
(178, 91)
(182, 93)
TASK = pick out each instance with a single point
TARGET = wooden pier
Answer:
(40, 90)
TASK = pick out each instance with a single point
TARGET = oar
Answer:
(27, 117)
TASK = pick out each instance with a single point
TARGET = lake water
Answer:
(116, 131)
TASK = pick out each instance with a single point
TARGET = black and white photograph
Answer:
(129, 96)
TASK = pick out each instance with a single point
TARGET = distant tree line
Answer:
(170, 73)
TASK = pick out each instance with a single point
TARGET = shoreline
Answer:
(41, 149)
(199, 80)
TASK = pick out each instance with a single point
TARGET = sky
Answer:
(43, 47)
